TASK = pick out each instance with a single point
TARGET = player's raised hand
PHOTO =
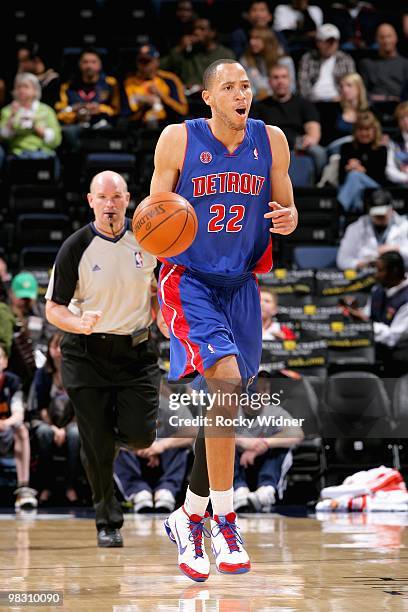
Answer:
(283, 219)
(88, 321)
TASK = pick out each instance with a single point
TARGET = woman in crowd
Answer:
(262, 53)
(28, 127)
(353, 100)
(362, 162)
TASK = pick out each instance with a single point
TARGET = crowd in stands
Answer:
(332, 76)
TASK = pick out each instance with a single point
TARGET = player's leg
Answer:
(224, 383)
(95, 418)
(200, 336)
(242, 310)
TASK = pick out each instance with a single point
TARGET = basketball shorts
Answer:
(208, 322)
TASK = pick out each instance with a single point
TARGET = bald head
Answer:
(108, 180)
(109, 198)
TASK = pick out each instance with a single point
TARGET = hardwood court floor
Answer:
(341, 563)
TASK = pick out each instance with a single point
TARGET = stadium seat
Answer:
(31, 171)
(400, 414)
(124, 163)
(315, 257)
(357, 424)
(41, 229)
(35, 198)
(109, 140)
(299, 399)
(34, 258)
(301, 170)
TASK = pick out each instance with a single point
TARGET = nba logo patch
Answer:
(256, 153)
(139, 259)
(205, 157)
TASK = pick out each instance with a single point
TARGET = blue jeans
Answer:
(268, 469)
(351, 191)
(131, 480)
(335, 146)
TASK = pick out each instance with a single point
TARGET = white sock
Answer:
(222, 501)
(195, 504)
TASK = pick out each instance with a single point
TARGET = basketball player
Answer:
(228, 168)
(101, 294)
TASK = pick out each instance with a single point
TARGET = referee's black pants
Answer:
(114, 388)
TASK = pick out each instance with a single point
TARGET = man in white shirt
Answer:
(373, 234)
(321, 70)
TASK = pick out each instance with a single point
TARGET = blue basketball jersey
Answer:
(230, 194)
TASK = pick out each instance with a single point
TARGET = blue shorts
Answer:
(208, 322)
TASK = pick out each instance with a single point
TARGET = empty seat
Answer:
(301, 170)
(315, 257)
(35, 198)
(37, 258)
(41, 229)
(123, 163)
(106, 140)
(357, 424)
(21, 171)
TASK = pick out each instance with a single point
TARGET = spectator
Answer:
(154, 96)
(29, 127)
(12, 429)
(362, 162)
(388, 309)
(298, 22)
(90, 99)
(271, 328)
(5, 276)
(30, 59)
(182, 25)
(194, 53)
(31, 329)
(385, 75)
(262, 53)
(321, 69)
(373, 234)
(353, 100)
(264, 451)
(54, 427)
(297, 117)
(257, 16)
(7, 319)
(357, 21)
(397, 159)
(134, 473)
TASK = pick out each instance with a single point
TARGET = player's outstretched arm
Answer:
(283, 214)
(169, 158)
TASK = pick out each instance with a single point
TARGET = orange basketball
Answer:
(165, 224)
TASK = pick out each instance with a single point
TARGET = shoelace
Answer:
(230, 533)
(196, 536)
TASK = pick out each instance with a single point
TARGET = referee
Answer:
(101, 293)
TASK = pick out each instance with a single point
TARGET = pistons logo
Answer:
(205, 157)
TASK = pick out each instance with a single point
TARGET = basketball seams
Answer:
(175, 212)
(177, 204)
(175, 240)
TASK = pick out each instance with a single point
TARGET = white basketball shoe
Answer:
(187, 532)
(227, 545)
